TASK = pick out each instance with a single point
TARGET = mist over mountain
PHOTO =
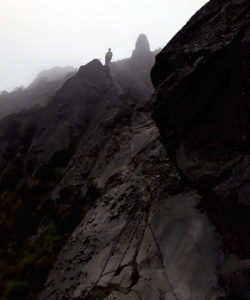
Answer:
(131, 180)
(133, 74)
(41, 34)
(51, 75)
(39, 92)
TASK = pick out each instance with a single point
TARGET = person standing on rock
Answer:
(108, 57)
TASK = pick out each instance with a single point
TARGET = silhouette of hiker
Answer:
(108, 57)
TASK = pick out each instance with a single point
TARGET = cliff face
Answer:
(202, 80)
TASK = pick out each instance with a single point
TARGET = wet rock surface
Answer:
(144, 237)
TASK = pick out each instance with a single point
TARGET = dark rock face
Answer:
(202, 98)
(143, 238)
(202, 79)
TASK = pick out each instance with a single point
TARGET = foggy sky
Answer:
(40, 34)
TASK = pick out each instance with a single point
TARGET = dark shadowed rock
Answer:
(202, 80)
(203, 90)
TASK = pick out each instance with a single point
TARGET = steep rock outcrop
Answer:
(202, 80)
(144, 236)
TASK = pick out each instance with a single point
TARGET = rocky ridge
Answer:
(48, 162)
(170, 235)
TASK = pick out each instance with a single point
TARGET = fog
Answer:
(40, 34)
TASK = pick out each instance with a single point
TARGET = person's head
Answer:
(109, 49)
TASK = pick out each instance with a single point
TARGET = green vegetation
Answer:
(27, 261)
(35, 231)
(33, 227)
(16, 288)
(49, 238)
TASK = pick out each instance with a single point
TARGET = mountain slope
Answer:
(47, 156)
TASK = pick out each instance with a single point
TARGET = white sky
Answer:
(40, 34)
